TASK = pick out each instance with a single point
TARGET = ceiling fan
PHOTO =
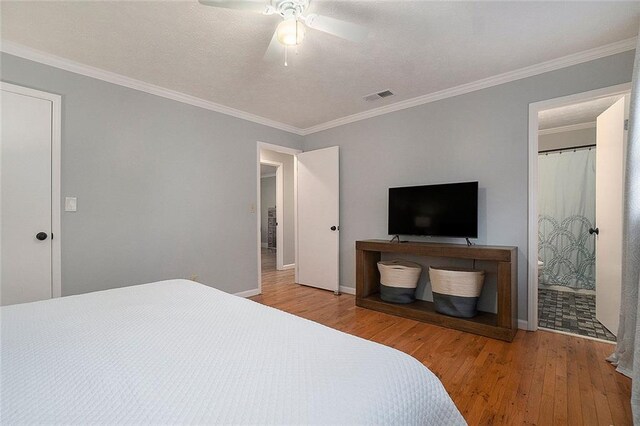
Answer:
(291, 31)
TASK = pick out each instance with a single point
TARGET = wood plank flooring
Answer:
(540, 378)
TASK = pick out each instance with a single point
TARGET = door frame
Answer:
(56, 197)
(532, 257)
(282, 150)
(279, 213)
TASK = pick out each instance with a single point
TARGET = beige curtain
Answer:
(627, 353)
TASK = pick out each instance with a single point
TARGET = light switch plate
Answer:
(70, 204)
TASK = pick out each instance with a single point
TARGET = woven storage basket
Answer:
(456, 290)
(398, 280)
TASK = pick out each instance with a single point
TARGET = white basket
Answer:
(456, 281)
(399, 273)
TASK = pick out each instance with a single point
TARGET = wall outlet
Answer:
(194, 277)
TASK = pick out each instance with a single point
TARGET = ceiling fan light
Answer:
(290, 32)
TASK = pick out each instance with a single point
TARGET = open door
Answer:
(610, 141)
(318, 199)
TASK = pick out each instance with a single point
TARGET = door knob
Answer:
(594, 231)
(333, 228)
(41, 236)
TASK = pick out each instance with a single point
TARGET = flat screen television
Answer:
(448, 210)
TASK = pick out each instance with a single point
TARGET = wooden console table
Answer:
(501, 325)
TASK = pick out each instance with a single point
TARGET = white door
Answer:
(318, 213)
(610, 142)
(25, 181)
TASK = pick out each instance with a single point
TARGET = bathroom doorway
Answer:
(578, 211)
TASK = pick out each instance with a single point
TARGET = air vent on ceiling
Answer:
(380, 95)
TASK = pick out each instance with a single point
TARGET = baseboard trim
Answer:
(347, 290)
(248, 293)
(289, 266)
(523, 324)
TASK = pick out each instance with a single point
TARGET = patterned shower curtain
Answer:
(567, 209)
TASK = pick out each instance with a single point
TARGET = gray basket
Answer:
(398, 280)
(456, 290)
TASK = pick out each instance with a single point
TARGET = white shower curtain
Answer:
(566, 211)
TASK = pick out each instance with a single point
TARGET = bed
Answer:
(180, 352)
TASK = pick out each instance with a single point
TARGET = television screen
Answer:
(448, 210)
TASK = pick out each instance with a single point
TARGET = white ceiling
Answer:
(415, 47)
(584, 112)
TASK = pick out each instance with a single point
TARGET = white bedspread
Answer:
(181, 352)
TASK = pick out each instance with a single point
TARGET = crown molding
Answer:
(530, 71)
(110, 77)
(569, 128)
(25, 52)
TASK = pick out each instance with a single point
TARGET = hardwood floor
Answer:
(268, 260)
(540, 378)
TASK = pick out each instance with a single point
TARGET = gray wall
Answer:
(165, 190)
(567, 139)
(288, 246)
(478, 136)
(267, 199)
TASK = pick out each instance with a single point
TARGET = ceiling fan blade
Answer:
(258, 6)
(336, 27)
(275, 50)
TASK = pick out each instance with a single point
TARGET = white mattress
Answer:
(181, 352)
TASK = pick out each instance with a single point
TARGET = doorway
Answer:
(307, 217)
(576, 167)
(276, 212)
(271, 212)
